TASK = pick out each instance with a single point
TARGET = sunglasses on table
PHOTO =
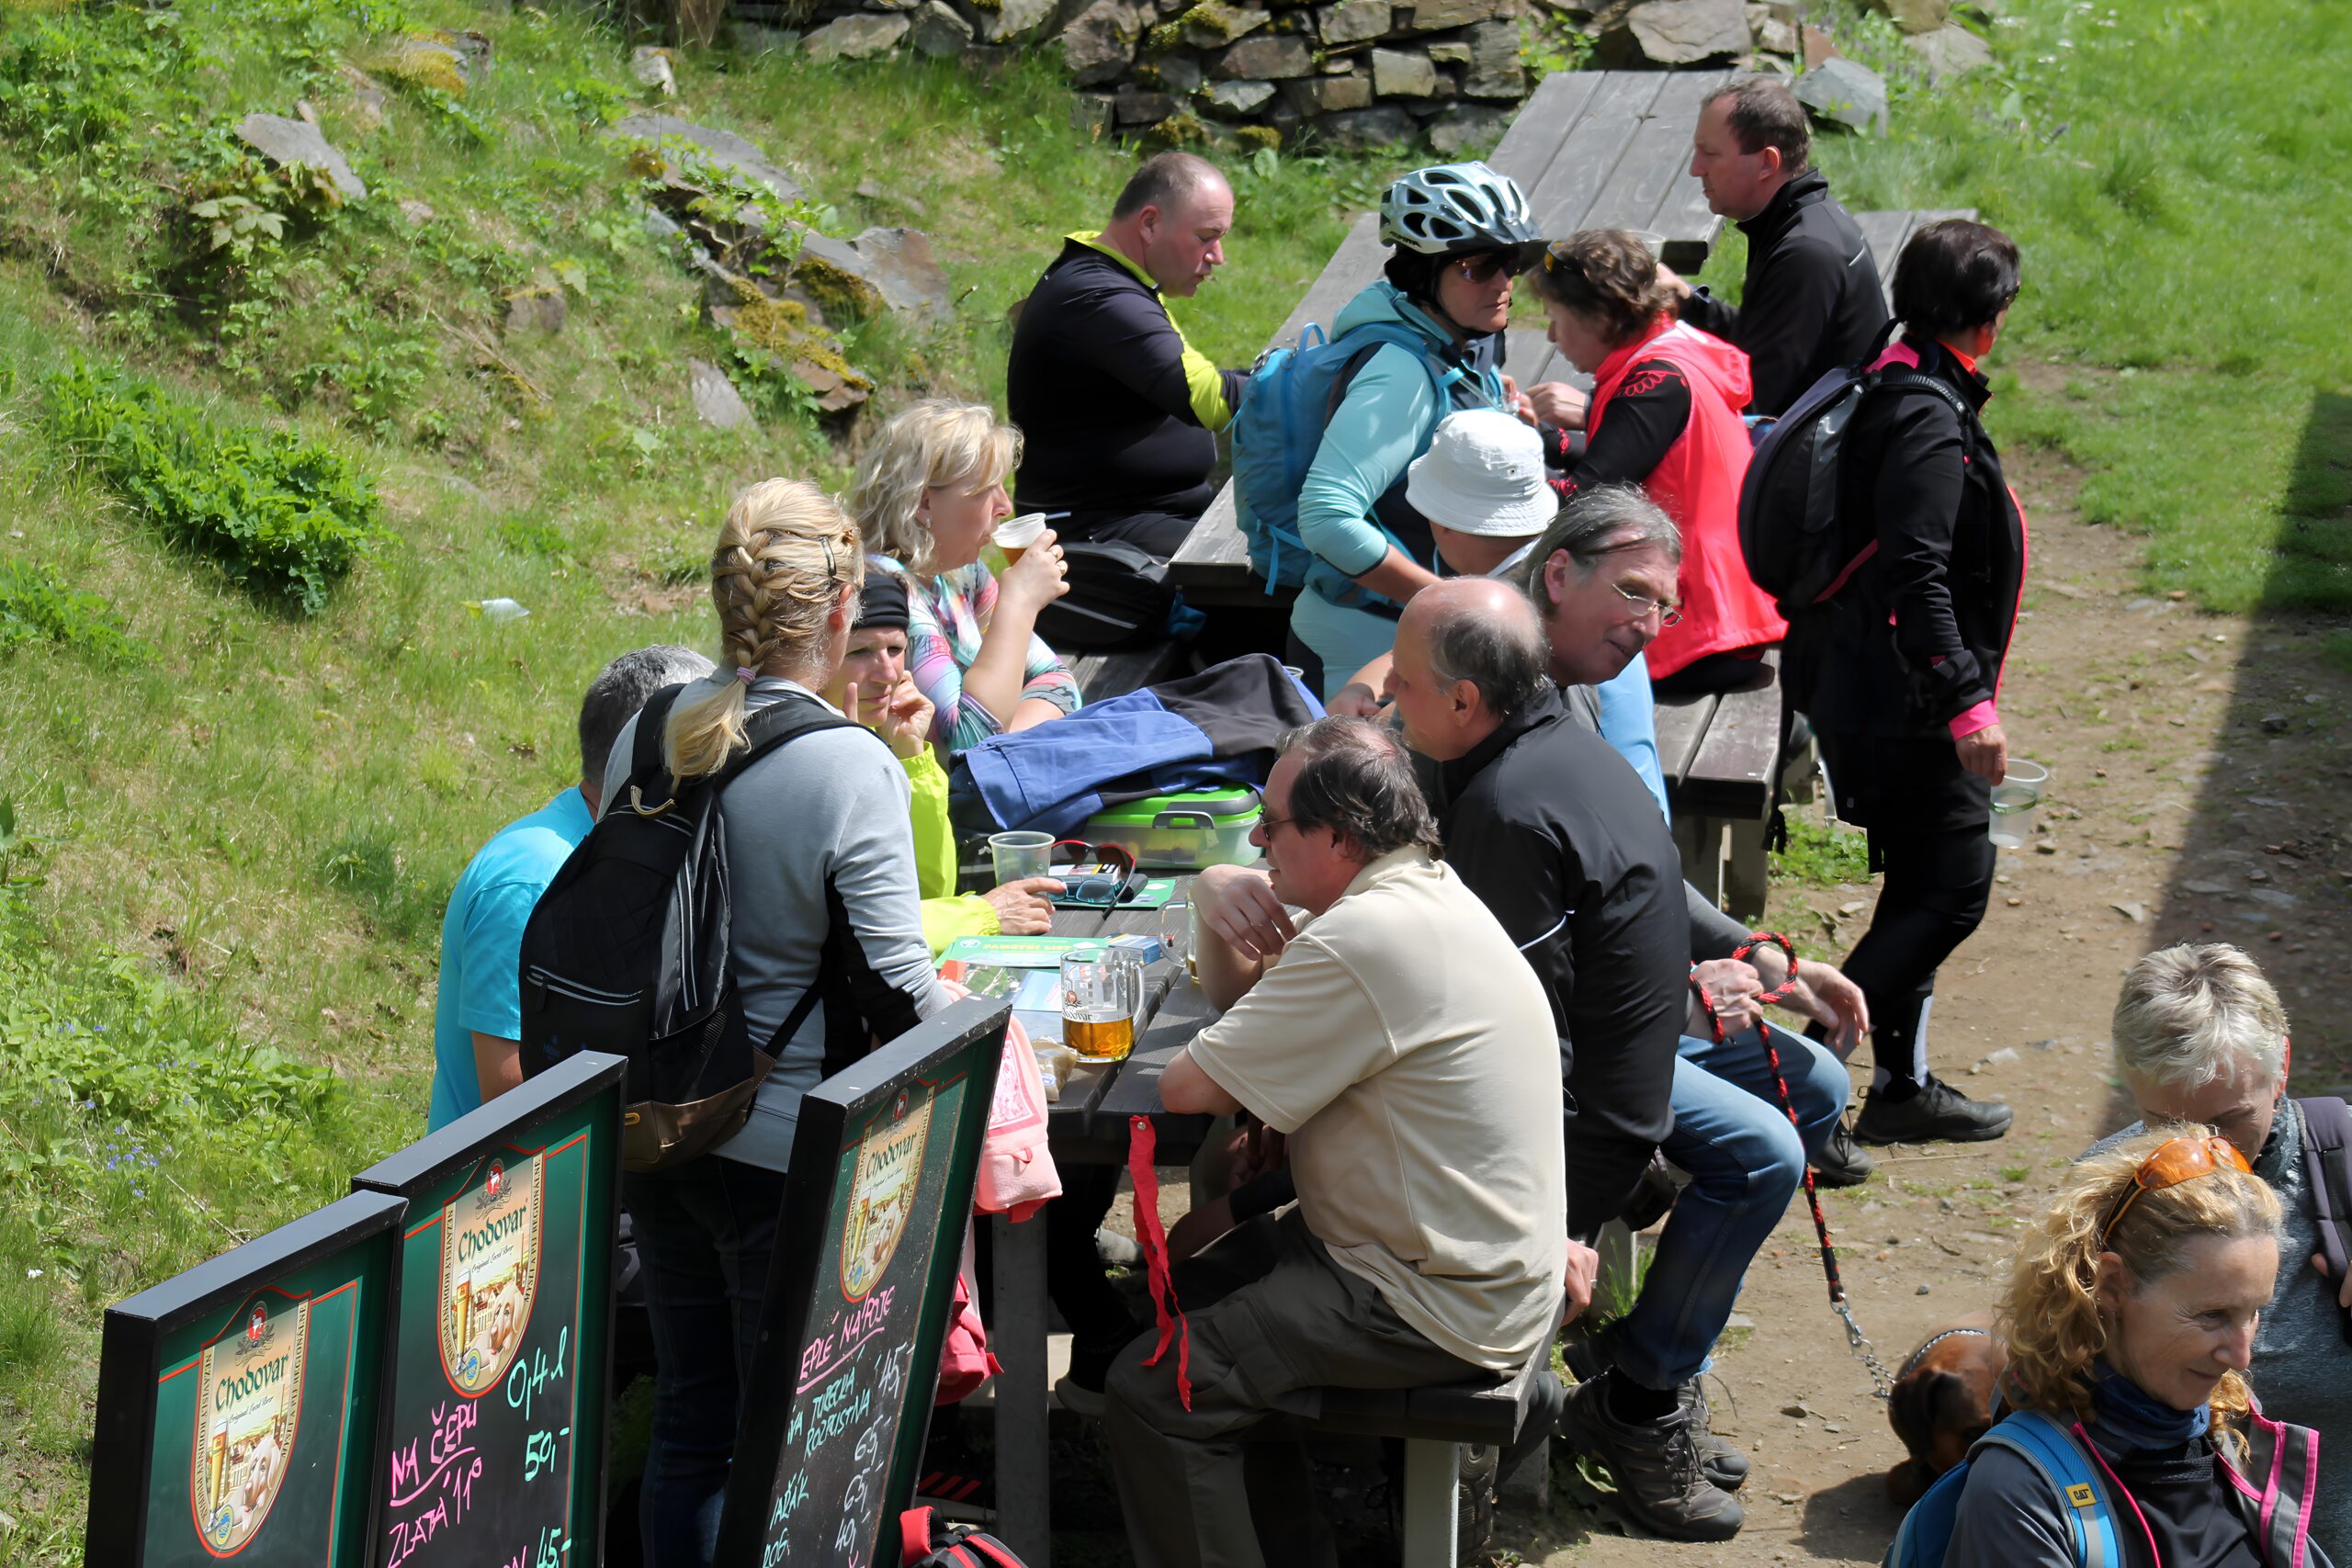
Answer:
(1098, 879)
(2168, 1165)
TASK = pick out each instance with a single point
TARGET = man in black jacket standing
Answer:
(1813, 299)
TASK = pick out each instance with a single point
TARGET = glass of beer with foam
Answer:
(1102, 991)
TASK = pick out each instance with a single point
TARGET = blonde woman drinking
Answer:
(928, 496)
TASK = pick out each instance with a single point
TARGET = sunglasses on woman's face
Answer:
(2168, 1165)
(1483, 270)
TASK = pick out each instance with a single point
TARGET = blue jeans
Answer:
(705, 1234)
(1745, 1161)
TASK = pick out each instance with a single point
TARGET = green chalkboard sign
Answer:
(494, 1448)
(239, 1403)
(875, 1211)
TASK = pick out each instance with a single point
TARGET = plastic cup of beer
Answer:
(1021, 853)
(1015, 534)
(2014, 799)
(1102, 991)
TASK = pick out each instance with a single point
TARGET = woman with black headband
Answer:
(873, 686)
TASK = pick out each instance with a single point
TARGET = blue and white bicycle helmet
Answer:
(1451, 210)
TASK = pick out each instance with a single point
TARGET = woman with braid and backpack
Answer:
(828, 958)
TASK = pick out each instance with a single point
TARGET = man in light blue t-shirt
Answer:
(477, 1016)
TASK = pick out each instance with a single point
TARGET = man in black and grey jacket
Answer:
(1812, 298)
(1120, 412)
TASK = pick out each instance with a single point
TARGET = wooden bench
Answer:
(1718, 754)
(1435, 1422)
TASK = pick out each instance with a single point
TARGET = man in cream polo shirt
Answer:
(1407, 1052)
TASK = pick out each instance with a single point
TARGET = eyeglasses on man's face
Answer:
(1644, 605)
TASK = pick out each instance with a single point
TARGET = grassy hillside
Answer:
(229, 826)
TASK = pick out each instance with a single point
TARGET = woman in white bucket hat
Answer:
(1481, 486)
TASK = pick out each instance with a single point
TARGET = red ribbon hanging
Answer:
(1142, 1141)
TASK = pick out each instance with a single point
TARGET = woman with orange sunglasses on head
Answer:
(2129, 1322)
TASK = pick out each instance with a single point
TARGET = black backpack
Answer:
(1797, 547)
(1118, 597)
(628, 949)
(2327, 1128)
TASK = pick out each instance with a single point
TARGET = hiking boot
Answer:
(1841, 1162)
(1724, 1465)
(1655, 1467)
(1936, 1112)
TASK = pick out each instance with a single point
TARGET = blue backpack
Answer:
(2051, 1450)
(1292, 395)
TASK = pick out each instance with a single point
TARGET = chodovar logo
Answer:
(882, 1195)
(489, 1273)
(246, 1423)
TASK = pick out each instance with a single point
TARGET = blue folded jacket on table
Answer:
(1212, 731)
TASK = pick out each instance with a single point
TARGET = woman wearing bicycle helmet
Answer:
(1460, 234)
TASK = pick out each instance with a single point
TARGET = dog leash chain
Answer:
(1858, 1342)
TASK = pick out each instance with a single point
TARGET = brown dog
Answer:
(1943, 1402)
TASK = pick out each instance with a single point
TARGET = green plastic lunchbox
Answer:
(1180, 832)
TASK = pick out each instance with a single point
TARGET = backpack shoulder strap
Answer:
(2082, 1495)
(2327, 1174)
(2275, 1488)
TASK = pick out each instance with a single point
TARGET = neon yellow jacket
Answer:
(947, 914)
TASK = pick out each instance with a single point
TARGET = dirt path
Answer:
(2199, 766)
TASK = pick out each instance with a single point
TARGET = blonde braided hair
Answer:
(2050, 1315)
(785, 555)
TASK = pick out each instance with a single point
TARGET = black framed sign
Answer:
(240, 1404)
(494, 1443)
(875, 1211)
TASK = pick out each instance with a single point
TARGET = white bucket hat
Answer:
(1482, 474)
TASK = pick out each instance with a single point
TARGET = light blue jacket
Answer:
(1386, 420)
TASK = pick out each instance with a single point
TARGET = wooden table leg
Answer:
(1025, 1518)
(1433, 1474)
(1700, 840)
(1748, 872)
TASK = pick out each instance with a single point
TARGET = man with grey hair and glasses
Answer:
(2200, 1036)
(1392, 1014)
(478, 1013)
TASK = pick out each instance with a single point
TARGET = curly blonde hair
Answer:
(934, 443)
(1606, 275)
(787, 554)
(2050, 1317)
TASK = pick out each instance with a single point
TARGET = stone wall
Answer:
(1365, 73)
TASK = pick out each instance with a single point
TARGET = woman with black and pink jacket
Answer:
(1899, 670)
(1665, 415)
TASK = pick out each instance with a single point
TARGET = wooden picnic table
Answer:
(1088, 1125)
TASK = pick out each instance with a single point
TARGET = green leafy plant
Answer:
(1550, 43)
(286, 517)
(34, 607)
